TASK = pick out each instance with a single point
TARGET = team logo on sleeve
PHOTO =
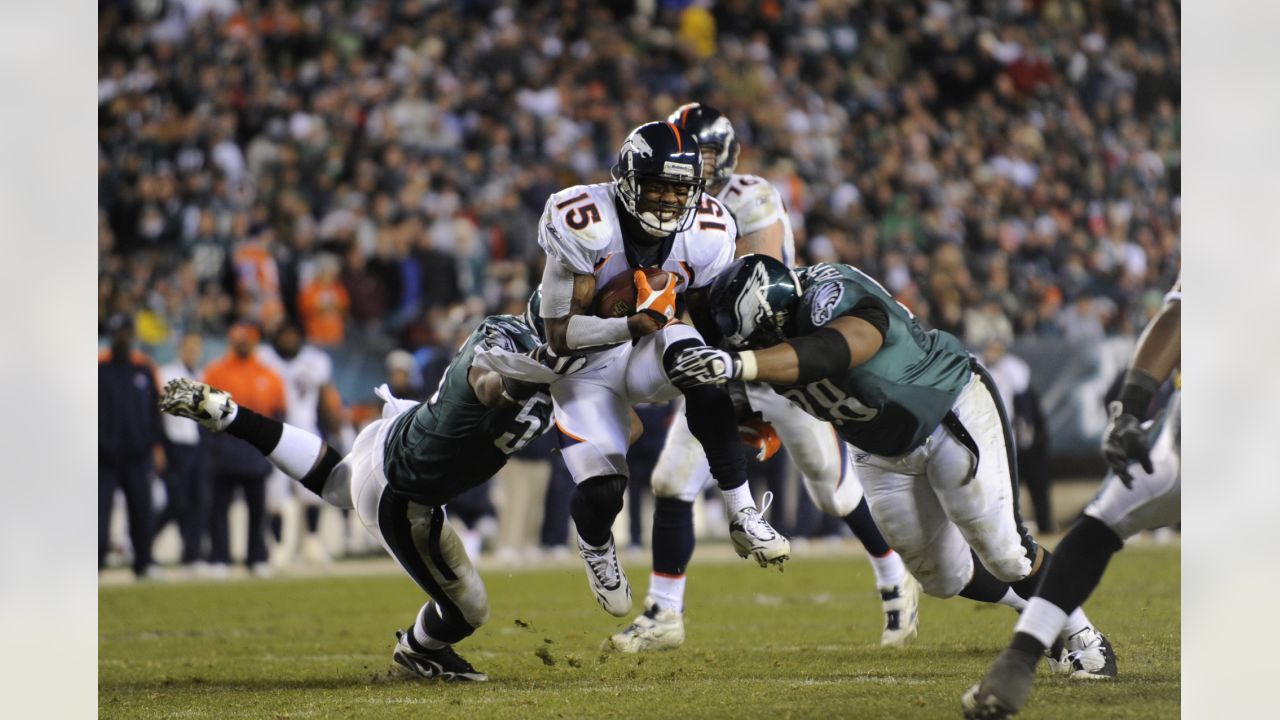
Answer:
(825, 300)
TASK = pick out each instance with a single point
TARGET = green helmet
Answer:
(754, 301)
(533, 315)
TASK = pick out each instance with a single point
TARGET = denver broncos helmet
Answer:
(663, 152)
(754, 301)
(713, 131)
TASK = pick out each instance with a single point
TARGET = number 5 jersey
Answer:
(453, 442)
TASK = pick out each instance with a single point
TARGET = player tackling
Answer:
(934, 449)
(401, 471)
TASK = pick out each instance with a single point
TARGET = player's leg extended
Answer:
(826, 466)
(593, 415)
(679, 475)
(712, 419)
(301, 455)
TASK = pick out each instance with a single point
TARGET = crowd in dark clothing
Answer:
(1006, 168)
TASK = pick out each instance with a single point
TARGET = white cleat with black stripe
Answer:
(443, 664)
(1087, 655)
(607, 579)
(754, 537)
(901, 605)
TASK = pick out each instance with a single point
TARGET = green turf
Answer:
(760, 644)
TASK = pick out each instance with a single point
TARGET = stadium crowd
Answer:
(374, 171)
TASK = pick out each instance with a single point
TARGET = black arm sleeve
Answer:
(822, 353)
(873, 312)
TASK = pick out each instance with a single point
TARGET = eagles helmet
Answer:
(715, 132)
(533, 315)
(666, 153)
(754, 301)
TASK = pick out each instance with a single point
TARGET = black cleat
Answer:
(443, 663)
(1004, 690)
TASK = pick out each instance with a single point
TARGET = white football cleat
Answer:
(655, 629)
(606, 578)
(901, 612)
(754, 537)
(1086, 655)
(207, 405)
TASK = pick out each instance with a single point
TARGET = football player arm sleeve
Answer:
(495, 390)
(1158, 353)
(846, 342)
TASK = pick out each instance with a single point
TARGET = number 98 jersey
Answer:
(453, 442)
(890, 404)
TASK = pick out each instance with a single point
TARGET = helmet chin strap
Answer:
(650, 223)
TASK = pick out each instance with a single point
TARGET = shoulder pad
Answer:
(576, 223)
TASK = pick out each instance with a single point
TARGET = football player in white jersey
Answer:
(1132, 499)
(313, 403)
(654, 214)
(823, 458)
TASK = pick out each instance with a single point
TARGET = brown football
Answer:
(618, 296)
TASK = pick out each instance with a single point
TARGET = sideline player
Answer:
(1131, 500)
(933, 444)
(312, 404)
(825, 461)
(653, 214)
(401, 471)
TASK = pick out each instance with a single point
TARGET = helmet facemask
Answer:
(659, 217)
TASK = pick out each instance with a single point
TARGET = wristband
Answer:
(747, 368)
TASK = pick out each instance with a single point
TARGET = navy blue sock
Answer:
(1078, 564)
(672, 535)
(984, 587)
(865, 529)
(713, 421)
(595, 504)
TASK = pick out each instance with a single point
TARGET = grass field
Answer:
(801, 644)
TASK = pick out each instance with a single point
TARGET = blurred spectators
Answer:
(186, 476)
(129, 440)
(236, 463)
(987, 159)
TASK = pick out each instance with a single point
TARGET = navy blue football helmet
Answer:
(715, 132)
(662, 152)
(754, 301)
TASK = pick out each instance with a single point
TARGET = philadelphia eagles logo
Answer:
(825, 300)
(752, 305)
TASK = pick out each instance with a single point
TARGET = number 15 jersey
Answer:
(890, 404)
(453, 442)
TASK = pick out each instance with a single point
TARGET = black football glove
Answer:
(1125, 441)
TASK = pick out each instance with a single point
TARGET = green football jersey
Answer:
(890, 404)
(453, 442)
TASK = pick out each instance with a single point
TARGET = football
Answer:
(618, 296)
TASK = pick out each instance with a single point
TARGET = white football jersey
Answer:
(580, 229)
(309, 371)
(179, 431)
(756, 204)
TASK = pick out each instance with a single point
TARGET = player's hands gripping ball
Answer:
(659, 304)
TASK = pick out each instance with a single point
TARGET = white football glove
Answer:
(705, 365)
